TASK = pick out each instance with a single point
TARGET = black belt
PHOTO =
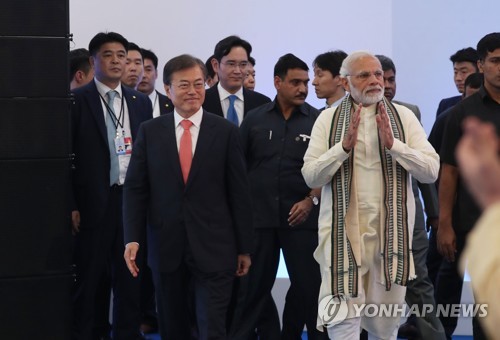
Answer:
(116, 186)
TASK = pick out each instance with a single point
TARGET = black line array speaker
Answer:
(47, 18)
(36, 275)
(34, 218)
(36, 308)
(34, 67)
(34, 128)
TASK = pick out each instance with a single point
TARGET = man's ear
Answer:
(277, 82)
(215, 65)
(345, 84)
(480, 66)
(167, 91)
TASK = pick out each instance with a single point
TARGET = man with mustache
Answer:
(285, 210)
(362, 154)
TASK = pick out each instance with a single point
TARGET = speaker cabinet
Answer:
(34, 18)
(34, 128)
(35, 217)
(36, 307)
(34, 67)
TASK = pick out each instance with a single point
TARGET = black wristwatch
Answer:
(314, 199)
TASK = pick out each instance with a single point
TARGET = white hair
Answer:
(346, 69)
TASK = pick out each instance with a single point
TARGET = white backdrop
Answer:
(420, 36)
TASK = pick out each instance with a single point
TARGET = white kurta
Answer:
(320, 164)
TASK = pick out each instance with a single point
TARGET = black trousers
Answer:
(449, 285)
(99, 249)
(212, 292)
(301, 304)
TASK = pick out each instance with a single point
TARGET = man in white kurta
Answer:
(366, 211)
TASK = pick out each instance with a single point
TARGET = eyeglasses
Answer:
(187, 85)
(233, 64)
(365, 75)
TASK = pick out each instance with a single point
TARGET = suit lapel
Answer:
(95, 104)
(215, 100)
(168, 139)
(133, 114)
(205, 139)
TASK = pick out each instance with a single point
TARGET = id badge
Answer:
(120, 146)
(128, 145)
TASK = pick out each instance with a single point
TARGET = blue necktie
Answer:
(232, 116)
(114, 170)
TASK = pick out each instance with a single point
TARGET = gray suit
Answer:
(421, 291)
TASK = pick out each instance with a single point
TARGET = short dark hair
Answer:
(179, 63)
(488, 43)
(224, 46)
(148, 54)
(210, 68)
(78, 61)
(251, 60)
(465, 54)
(386, 62)
(135, 47)
(288, 62)
(474, 80)
(330, 61)
(106, 37)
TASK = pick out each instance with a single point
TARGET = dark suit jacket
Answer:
(165, 103)
(210, 213)
(446, 103)
(90, 146)
(429, 192)
(252, 100)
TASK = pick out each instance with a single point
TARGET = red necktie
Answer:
(186, 149)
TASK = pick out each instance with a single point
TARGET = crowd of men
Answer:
(181, 203)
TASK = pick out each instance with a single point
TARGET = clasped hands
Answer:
(383, 124)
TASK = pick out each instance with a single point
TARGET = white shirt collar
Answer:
(224, 94)
(195, 119)
(103, 89)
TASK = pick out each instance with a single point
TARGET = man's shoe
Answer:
(408, 331)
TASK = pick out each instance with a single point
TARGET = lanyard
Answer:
(117, 121)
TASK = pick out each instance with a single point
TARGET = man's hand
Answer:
(75, 222)
(384, 126)
(446, 243)
(300, 212)
(349, 141)
(130, 255)
(244, 263)
(477, 156)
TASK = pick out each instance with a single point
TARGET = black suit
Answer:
(99, 243)
(194, 230)
(252, 100)
(447, 103)
(165, 103)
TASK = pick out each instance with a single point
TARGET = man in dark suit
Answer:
(187, 178)
(230, 61)
(464, 63)
(105, 119)
(161, 103)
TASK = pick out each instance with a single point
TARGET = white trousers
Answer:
(351, 328)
